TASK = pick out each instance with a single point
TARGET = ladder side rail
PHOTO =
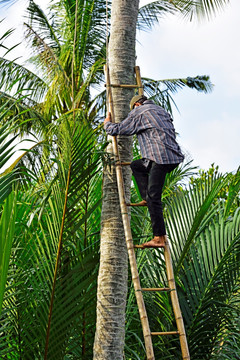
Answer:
(128, 235)
(170, 273)
(139, 80)
(175, 303)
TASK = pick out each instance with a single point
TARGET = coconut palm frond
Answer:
(233, 194)
(47, 56)
(25, 111)
(57, 253)
(178, 178)
(84, 89)
(161, 91)
(209, 277)
(205, 250)
(200, 83)
(46, 31)
(90, 32)
(17, 78)
(8, 143)
(150, 14)
(159, 94)
(228, 339)
(200, 9)
(72, 218)
(190, 213)
(7, 227)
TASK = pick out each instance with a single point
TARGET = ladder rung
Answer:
(128, 86)
(131, 204)
(123, 163)
(156, 289)
(165, 333)
(139, 246)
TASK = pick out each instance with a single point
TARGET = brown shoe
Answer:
(141, 203)
(156, 242)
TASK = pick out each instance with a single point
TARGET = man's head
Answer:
(137, 99)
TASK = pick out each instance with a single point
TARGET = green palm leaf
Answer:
(8, 142)
(205, 248)
(190, 213)
(205, 251)
(36, 245)
(23, 80)
(161, 90)
(80, 172)
(209, 278)
(199, 8)
(233, 192)
(7, 227)
(149, 14)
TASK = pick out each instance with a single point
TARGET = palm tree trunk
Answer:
(112, 279)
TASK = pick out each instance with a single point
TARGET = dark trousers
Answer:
(150, 181)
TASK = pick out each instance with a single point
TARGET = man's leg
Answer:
(157, 177)
(140, 174)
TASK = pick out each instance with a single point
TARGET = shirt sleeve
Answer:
(128, 126)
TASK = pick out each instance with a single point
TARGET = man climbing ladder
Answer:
(160, 155)
(147, 333)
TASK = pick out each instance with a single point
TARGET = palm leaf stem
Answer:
(57, 263)
(73, 57)
(7, 229)
(86, 207)
(65, 202)
(85, 245)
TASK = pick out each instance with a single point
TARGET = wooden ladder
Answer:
(131, 248)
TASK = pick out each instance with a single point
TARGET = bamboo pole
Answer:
(125, 86)
(162, 333)
(175, 303)
(139, 80)
(128, 234)
(156, 289)
(123, 163)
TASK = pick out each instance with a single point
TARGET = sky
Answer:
(208, 124)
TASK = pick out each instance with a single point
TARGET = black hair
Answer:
(142, 99)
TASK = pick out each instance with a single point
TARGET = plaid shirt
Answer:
(155, 133)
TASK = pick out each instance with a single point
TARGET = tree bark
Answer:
(112, 278)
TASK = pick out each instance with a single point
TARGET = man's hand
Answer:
(108, 118)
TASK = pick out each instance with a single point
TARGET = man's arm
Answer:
(108, 119)
(127, 127)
